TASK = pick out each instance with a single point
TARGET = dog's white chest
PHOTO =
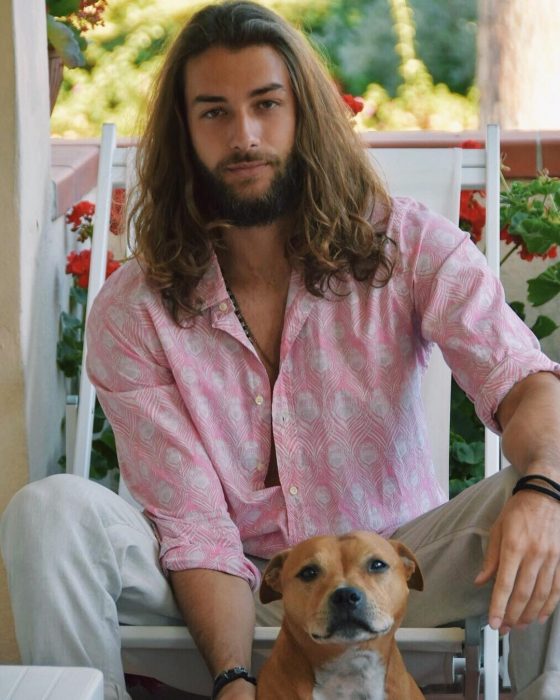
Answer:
(356, 675)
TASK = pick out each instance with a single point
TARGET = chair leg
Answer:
(473, 627)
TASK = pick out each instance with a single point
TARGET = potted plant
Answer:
(67, 21)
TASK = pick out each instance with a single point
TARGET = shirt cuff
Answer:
(501, 380)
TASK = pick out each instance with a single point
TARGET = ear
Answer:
(271, 585)
(411, 567)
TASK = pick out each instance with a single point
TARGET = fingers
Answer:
(540, 595)
(553, 599)
(524, 590)
(506, 575)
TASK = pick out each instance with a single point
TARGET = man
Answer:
(260, 363)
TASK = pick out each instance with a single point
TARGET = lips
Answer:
(246, 168)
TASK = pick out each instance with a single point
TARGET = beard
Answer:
(218, 200)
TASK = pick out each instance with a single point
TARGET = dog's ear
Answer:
(271, 585)
(411, 567)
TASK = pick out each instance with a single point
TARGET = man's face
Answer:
(242, 119)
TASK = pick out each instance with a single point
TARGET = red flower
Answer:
(78, 264)
(80, 211)
(117, 209)
(524, 254)
(472, 214)
(470, 143)
(112, 264)
(356, 104)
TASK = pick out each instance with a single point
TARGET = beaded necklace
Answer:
(273, 366)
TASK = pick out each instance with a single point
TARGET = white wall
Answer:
(31, 268)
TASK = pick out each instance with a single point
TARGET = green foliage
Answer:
(544, 287)
(529, 215)
(359, 38)
(466, 444)
(356, 37)
(69, 351)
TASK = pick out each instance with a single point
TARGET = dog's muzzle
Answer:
(348, 613)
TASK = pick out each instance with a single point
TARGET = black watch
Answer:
(232, 674)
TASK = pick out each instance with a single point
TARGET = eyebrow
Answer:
(271, 87)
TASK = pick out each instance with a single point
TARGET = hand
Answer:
(238, 690)
(524, 557)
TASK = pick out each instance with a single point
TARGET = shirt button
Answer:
(294, 490)
(223, 306)
(260, 466)
(259, 400)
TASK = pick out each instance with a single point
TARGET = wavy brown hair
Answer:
(332, 237)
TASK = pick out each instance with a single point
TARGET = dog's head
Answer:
(343, 590)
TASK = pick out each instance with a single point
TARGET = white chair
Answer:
(50, 683)
(434, 177)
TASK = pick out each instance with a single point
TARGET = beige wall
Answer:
(30, 268)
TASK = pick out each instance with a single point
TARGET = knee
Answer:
(41, 508)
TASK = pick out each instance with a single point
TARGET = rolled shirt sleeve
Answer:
(161, 458)
(462, 308)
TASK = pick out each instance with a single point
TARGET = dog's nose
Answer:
(347, 597)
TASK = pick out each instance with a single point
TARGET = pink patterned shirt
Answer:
(193, 412)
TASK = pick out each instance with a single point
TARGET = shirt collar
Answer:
(211, 288)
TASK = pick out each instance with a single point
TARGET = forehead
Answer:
(233, 74)
(340, 553)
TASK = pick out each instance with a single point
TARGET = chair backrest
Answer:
(434, 176)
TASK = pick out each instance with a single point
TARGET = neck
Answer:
(255, 255)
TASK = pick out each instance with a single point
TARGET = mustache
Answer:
(248, 157)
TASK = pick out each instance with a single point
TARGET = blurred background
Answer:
(417, 64)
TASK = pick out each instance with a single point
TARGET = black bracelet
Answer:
(232, 674)
(538, 477)
(533, 487)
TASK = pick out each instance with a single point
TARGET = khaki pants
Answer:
(80, 560)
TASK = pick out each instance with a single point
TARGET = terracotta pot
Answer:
(55, 76)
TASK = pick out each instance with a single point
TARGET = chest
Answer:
(359, 675)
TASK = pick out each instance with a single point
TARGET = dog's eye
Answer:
(308, 573)
(377, 565)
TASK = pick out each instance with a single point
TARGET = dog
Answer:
(344, 598)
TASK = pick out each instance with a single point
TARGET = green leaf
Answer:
(468, 453)
(62, 38)
(99, 466)
(519, 308)
(538, 234)
(544, 287)
(68, 359)
(61, 8)
(79, 295)
(68, 322)
(543, 327)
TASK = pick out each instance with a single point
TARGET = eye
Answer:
(309, 573)
(268, 104)
(375, 566)
(212, 113)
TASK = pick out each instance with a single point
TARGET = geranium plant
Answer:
(72, 325)
(530, 224)
(67, 21)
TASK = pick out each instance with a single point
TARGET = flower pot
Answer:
(55, 76)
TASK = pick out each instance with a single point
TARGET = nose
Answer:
(244, 132)
(347, 597)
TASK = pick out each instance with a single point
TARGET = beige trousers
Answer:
(80, 560)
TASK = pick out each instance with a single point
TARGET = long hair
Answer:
(332, 236)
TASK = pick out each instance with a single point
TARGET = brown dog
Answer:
(344, 598)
